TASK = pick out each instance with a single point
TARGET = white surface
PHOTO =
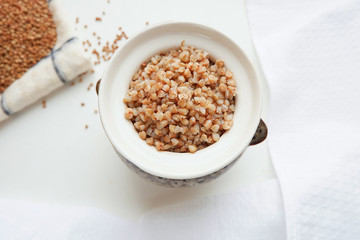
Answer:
(240, 215)
(310, 54)
(48, 156)
(125, 139)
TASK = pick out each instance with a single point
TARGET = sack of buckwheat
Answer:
(39, 52)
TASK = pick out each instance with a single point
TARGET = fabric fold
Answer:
(310, 52)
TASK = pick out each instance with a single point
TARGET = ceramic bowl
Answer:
(169, 168)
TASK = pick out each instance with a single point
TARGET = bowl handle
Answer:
(97, 86)
(260, 134)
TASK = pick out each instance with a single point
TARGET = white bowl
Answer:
(168, 165)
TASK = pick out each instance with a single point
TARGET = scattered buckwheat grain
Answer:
(90, 86)
(43, 103)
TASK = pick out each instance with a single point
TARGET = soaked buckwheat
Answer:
(181, 101)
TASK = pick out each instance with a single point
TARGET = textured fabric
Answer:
(65, 62)
(310, 54)
(252, 213)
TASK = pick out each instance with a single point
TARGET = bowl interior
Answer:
(124, 137)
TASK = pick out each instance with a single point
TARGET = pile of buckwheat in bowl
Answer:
(181, 100)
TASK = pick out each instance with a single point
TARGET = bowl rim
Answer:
(151, 171)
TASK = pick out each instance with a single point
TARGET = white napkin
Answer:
(310, 52)
(254, 213)
(65, 62)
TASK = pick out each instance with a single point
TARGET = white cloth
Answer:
(66, 61)
(310, 53)
(254, 213)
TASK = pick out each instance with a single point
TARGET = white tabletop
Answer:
(47, 155)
